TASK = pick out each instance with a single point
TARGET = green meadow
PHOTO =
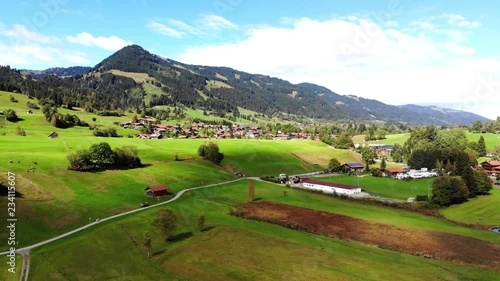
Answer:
(231, 248)
(481, 210)
(490, 139)
(57, 200)
(385, 187)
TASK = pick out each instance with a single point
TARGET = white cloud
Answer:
(396, 66)
(207, 25)
(22, 47)
(19, 33)
(165, 30)
(391, 23)
(112, 43)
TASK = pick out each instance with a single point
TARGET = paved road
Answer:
(24, 252)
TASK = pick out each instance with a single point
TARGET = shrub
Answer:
(11, 115)
(211, 152)
(13, 99)
(422, 198)
(376, 172)
(32, 105)
(20, 131)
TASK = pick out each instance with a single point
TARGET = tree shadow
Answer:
(157, 253)
(208, 228)
(257, 199)
(181, 236)
(17, 120)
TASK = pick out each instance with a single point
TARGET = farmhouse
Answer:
(394, 171)
(157, 190)
(329, 187)
(492, 167)
(352, 167)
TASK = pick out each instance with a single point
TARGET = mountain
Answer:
(135, 78)
(57, 71)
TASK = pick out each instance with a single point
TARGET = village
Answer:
(203, 130)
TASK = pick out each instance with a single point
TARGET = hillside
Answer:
(134, 78)
(57, 71)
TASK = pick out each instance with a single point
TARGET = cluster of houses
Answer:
(491, 167)
(202, 130)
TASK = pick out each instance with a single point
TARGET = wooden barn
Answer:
(157, 190)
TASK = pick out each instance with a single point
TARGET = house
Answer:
(352, 167)
(53, 135)
(491, 167)
(157, 190)
(330, 187)
(394, 171)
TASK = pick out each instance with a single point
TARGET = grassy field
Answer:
(490, 139)
(385, 187)
(237, 249)
(57, 200)
(390, 139)
(482, 210)
(5, 274)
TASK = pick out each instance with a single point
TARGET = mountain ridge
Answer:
(225, 89)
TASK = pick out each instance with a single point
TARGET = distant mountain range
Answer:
(225, 89)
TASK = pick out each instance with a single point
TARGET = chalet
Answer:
(157, 190)
(394, 171)
(352, 167)
(330, 187)
(491, 167)
(53, 135)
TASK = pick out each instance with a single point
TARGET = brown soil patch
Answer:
(429, 244)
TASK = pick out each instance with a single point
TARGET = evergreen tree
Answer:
(383, 164)
(481, 146)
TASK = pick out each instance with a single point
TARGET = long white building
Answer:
(330, 187)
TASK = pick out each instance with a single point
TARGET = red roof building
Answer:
(157, 190)
(492, 167)
(395, 170)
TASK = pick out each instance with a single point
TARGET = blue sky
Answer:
(444, 53)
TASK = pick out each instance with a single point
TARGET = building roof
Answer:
(491, 163)
(331, 184)
(355, 165)
(158, 188)
(395, 170)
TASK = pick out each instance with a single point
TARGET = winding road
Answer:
(24, 252)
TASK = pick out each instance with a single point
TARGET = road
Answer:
(24, 252)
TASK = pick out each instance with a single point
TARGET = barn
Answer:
(330, 187)
(157, 190)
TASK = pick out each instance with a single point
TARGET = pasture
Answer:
(232, 248)
(385, 187)
(481, 210)
(57, 200)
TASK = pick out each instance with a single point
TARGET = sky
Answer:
(443, 53)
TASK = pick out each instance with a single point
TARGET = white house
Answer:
(330, 187)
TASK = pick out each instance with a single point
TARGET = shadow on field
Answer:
(181, 236)
(158, 253)
(208, 228)
(257, 199)
(4, 191)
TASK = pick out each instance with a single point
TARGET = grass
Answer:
(5, 274)
(57, 200)
(237, 249)
(390, 139)
(385, 187)
(482, 210)
(490, 139)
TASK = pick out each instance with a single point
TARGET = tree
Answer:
(496, 153)
(383, 164)
(201, 223)
(211, 152)
(482, 181)
(334, 165)
(20, 131)
(134, 118)
(146, 242)
(368, 156)
(397, 153)
(126, 156)
(477, 126)
(481, 146)
(343, 141)
(80, 161)
(102, 155)
(469, 180)
(447, 190)
(165, 222)
(251, 190)
(11, 115)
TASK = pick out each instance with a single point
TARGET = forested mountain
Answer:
(57, 71)
(133, 78)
